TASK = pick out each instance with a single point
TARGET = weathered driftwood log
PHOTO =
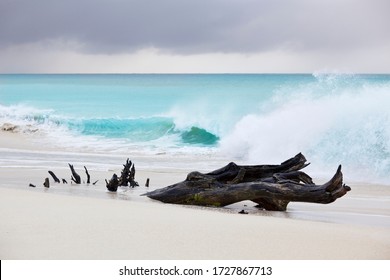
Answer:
(75, 177)
(272, 187)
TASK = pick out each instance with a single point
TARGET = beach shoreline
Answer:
(54, 223)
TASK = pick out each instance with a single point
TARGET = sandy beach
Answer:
(87, 222)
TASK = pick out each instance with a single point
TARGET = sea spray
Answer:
(331, 118)
(350, 125)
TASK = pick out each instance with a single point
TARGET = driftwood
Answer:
(55, 178)
(127, 178)
(272, 187)
(113, 184)
(132, 182)
(128, 175)
(88, 176)
(75, 177)
(46, 184)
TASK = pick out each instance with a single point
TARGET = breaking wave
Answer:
(336, 119)
(331, 118)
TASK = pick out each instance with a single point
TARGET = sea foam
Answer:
(335, 120)
(332, 118)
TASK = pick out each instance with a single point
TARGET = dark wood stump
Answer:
(113, 184)
(46, 184)
(127, 177)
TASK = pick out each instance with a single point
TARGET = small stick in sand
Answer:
(75, 177)
(147, 183)
(88, 176)
(46, 183)
(54, 176)
(32, 185)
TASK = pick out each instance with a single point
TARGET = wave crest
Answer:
(140, 131)
(351, 128)
(199, 136)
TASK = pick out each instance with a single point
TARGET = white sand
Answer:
(38, 225)
(86, 222)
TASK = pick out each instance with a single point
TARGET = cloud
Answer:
(194, 36)
(36, 58)
(202, 26)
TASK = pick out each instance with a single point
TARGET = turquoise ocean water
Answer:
(331, 118)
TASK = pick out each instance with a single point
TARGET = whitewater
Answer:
(249, 118)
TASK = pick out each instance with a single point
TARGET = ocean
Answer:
(248, 118)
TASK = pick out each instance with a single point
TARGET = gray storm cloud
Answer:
(188, 27)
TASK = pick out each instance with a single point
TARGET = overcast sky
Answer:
(165, 36)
